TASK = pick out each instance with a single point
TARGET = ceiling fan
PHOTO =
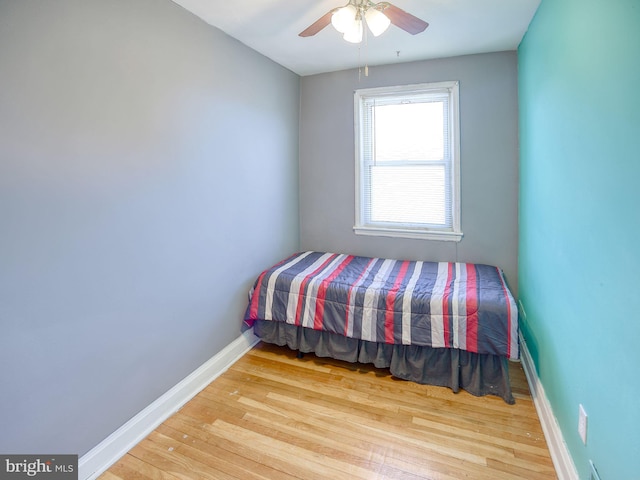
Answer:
(349, 20)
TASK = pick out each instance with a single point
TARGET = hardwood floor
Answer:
(273, 416)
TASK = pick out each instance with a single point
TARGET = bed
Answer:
(434, 323)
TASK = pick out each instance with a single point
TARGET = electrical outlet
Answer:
(582, 424)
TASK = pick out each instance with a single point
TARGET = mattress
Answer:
(461, 306)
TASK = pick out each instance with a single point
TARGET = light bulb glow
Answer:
(377, 21)
(344, 18)
(354, 34)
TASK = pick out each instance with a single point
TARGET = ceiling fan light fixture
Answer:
(350, 19)
(344, 18)
(355, 32)
(377, 21)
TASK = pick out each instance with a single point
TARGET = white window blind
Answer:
(407, 161)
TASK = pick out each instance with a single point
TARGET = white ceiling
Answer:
(456, 27)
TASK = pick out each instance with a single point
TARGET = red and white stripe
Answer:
(471, 301)
(459, 307)
(299, 284)
(389, 320)
(371, 297)
(313, 312)
(268, 311)
(406, 303)
(439, 307)
(351, 302)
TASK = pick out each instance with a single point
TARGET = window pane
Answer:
(411, 131)
(408, 194)
(407, 161)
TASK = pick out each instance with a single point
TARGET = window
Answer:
(407, 161)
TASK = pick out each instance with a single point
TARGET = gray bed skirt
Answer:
(478, 374)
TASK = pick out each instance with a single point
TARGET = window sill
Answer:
(408, 233)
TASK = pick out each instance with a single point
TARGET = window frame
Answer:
(406, 230)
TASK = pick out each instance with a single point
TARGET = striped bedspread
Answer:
(442, 305)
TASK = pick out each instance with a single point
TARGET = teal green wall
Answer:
(579, 261)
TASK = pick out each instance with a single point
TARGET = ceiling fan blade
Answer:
(404, 20)
(318, 25)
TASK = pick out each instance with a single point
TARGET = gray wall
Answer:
(489, 161)
(148, 172)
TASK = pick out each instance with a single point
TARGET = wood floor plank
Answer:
(225, 460)
(154, 450)
(273, 416)
(110, 475)
(132, 468)
(395, 405)
(384, 385)
(246, 456)
(404, 456)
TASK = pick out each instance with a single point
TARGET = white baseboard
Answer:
(562, 461)
(112, 448)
